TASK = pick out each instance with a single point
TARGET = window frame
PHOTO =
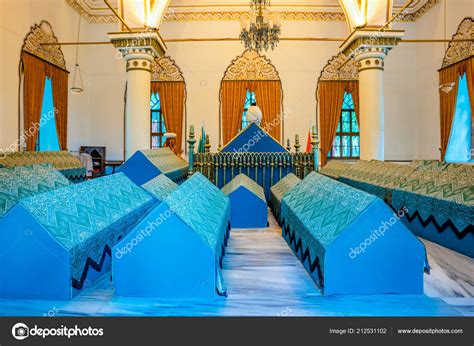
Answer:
(161, 123)
(351, 134)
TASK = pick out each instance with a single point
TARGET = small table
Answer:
(114, 164)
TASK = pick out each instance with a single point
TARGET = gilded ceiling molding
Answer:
(458, 51)
(164, 69)
(339, 67)
(43, 33)
(411, 17)
(103, 16)
(251, 66)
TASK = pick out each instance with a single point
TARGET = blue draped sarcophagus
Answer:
(351, 242)
(177, 249)
(278, 191)
(248, 203)
(55, 242)
(145, 165)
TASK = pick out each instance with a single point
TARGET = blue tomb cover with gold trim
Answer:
(160, 187)
(17, 183)
(85, 218)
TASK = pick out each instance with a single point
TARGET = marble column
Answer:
(369, 49)
(139, 49)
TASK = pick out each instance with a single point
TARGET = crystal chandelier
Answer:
(262, 30)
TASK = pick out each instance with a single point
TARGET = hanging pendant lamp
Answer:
(77, 81)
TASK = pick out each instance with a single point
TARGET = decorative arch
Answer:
(43, 33)
(164, 69)
(167, 79)
(460, 50)
(458, 60)
(38, 61)
(251, 66)
(340, 75)
(255, 72)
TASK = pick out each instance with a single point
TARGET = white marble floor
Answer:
(264, 278)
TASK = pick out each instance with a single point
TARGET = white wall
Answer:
(96, 116)
(16, 18)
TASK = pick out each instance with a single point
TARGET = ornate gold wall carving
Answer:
(164, 69)
(43, 33)
(339, 67)
(458, 51)
(251, 66)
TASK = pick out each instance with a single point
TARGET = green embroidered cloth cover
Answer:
(68, 164)
(335, 168)
(86, 217)
(446, 196)
(377, 177)
(248, 183)
(160, 187)
(204, 208)
(20, 182)
(167, 162)
(278, 190)
(319, 209)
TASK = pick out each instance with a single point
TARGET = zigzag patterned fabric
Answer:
(446, 196)
(86, 217)
(319, 209)
(160, 187)
(279, 190)
(65, 162)
(20, 182)
(248, 183)
(335, 168)
(429, 165)
(167, 162)
(204, 208)
(376, 177)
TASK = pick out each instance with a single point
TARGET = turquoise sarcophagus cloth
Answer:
(20, 182)
(350, 241)
(177, 249)
(66, 163)
(440, 208)
(145, 165)
(278, 191)
(160, 187)
(55, 243)
(248, 203)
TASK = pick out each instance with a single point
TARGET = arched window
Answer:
(158, 128)
(346, 144)
(47, 139)
(459, 145)
(249, 99)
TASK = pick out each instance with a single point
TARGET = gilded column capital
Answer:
(139, 49)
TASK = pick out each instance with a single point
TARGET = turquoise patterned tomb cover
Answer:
(248, 183)
(319, 209)
(160, 187)
(86, 217)
(17, 183)
(203, 207)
